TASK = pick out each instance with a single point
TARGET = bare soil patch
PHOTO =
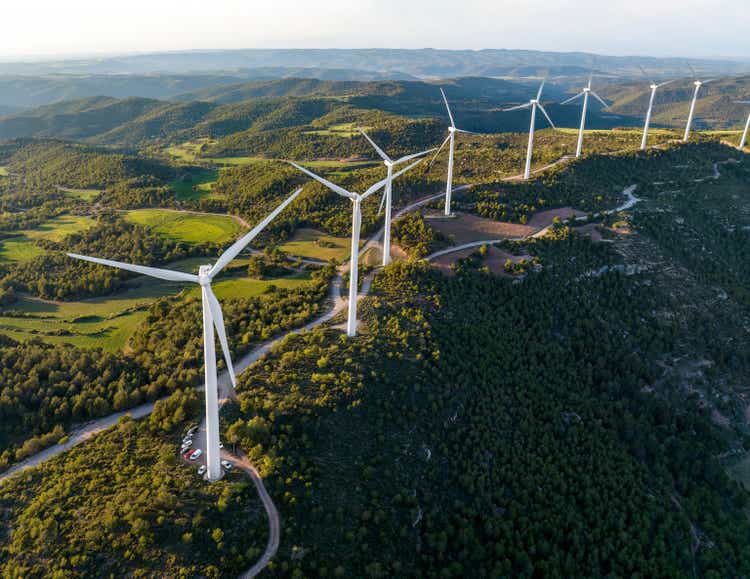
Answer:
(494, 260)
(466, 228)
(544, 218)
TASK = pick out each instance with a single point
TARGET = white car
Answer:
(227, 465)
(196, 453)
(187, 443)
(221, 445)
(202, 470)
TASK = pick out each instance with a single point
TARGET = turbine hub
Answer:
(587, 89)
(452, 129)
(654, 86)
(697, 83)
(203, 278)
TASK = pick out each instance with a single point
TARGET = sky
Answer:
(687, 28)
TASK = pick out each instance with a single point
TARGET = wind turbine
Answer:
(351, 326)
(743, 141)
(212, 318)
(390, 164)
(533, 104)
(585, 94)
(698, 84)
(452, 130)
(653, 87)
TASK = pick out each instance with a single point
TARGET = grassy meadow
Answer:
(22, 247)
(187, 227)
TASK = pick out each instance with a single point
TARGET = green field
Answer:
(344, 130)
(198, 187)
(245, 287)
(314, 244)
(3, 171)
(187, 152)
(187, 227)
(100, 322)
(22, 247)
(108, 322)
(320, 164)
(85, 194)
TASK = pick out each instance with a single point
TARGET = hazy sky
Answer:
(654, 27)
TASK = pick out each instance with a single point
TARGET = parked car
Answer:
(191, 430)
(196, 453)
(186, 455)
(227, 465)
(221, 445)
(187, 443)
(202, 470)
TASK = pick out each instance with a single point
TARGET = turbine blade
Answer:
(591, 78)
(332, 186)
(466, 132)
(413, 156)
(440, 148)
(692, 70)
(242, 242)
(374, 146)
(380, 184)
(165, 274)
(517, 108)
(709, 80)
(571, 99)
(382, 203)
(643, 70)
(453, 124)
(218, 319)
(600, 99)
(541, 108)
(541, 88)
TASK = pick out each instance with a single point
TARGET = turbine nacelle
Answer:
(204, 277)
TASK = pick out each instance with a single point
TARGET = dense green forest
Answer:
(528, 439)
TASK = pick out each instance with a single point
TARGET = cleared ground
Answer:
(22, 247)
(187, 227)
(195, 186)
(84, 194)
(465, 228)
(314, 244)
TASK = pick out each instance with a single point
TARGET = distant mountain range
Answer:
(197, 73)
(390, 63)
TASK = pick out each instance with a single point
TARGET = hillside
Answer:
(716, 107)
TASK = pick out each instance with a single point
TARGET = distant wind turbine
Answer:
(698, 84)
(387, 193)
(585, 94)
(653, 87)
(533, 104)
(452, 130)
(212, 318)
(743, 140)
(351, 326)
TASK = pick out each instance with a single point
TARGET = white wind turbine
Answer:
(351, 326)
(387, 194)
(533, 104)
(452, 130)
(743, 140)
(698, 84)
(212, 318)
(653, 86)
(585, 94)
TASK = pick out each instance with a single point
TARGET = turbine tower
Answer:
(387, 193)
(585, 94)
(452, 130)
(653, 86)
(212, 318)
(533, 104)
(698, 84)
(743, 140)
(351, 325)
